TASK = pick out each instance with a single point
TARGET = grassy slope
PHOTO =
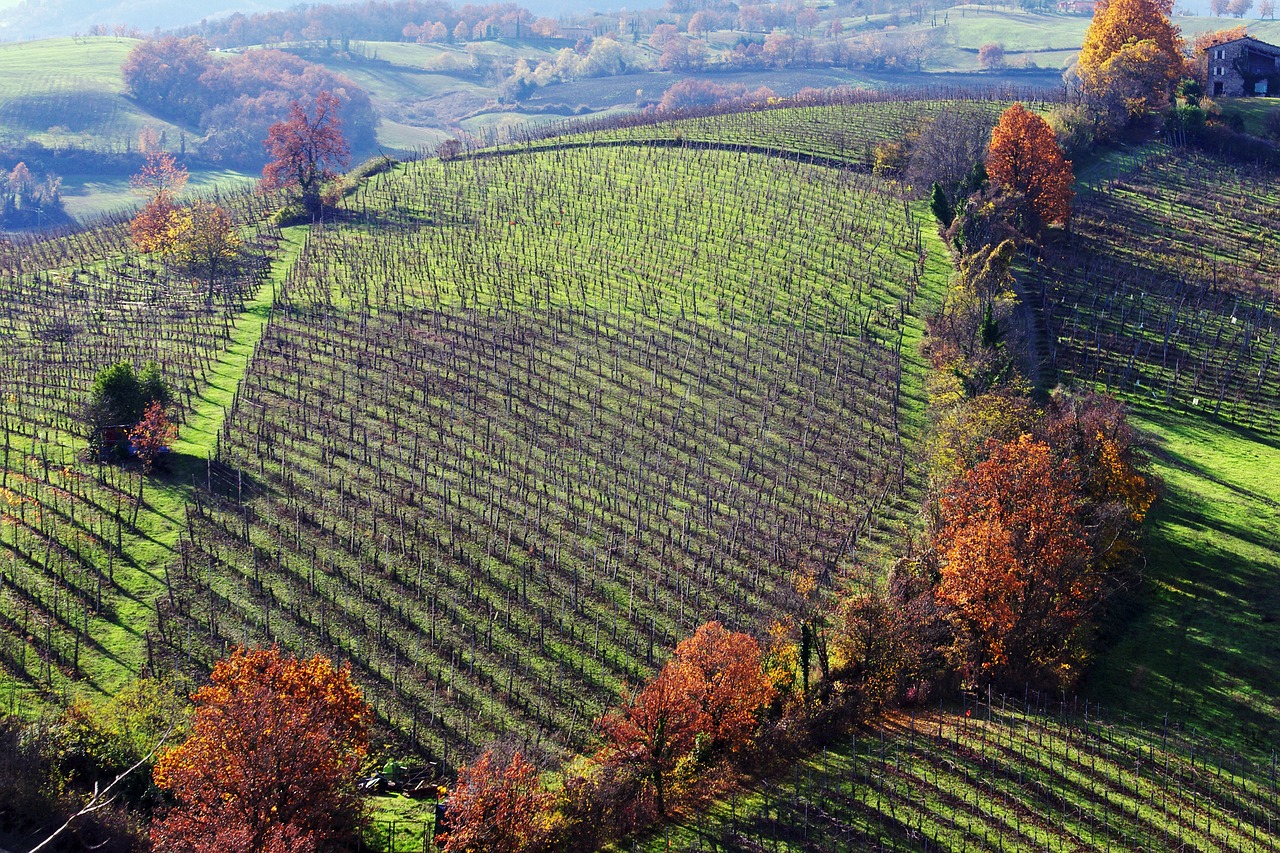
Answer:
(1206, 647)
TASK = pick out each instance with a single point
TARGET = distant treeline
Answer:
(234, 99)
(336, 25)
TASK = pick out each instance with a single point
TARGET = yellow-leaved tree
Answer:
(1131, 59)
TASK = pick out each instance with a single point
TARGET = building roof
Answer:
(1267, 48)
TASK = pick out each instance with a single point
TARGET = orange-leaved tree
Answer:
(157, 226)
(153, 435)
(497, 809)
(1024, 158)
(658, 727)
(307, 149)
(270, 764)
(1016, 568)
(726, 679)
(1131, 58)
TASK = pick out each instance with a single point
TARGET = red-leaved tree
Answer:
(271, 761)
(153, 435)
(307, 149)
(497, 809)
(657, 728)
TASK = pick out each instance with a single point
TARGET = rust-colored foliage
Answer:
(496, 809)
(307, 149)
(153, 435)
(713, 686)
(1131, 52)
(725, 676)
(1016, 567)
(1024, 158)
(657, 728)
(270, 764)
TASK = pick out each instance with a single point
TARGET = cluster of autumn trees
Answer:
(1035, 509)
(232, 99)
(676, 740)
(29, 200)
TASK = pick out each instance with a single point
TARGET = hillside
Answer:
(397, 435)
(506, 427)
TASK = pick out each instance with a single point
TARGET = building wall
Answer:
(1224, 79)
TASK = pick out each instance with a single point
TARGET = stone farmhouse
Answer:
(1244, 66)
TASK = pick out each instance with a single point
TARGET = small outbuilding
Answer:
(1244, 66)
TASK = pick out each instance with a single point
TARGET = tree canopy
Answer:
(307, 149)
(270, 764)
(1132, 56)
(1024, 158)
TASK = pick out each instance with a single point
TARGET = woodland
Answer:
(852, 469)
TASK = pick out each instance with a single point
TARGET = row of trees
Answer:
(233, 100)
(673, 740)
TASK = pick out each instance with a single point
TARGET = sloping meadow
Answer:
(521, 423)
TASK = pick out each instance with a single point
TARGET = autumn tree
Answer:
(497, 809)
(155, 228)
(153, 435)
(307, 149)
(1131, 59)
(1091, 433)
(991, 55)
(206, 243)
(725, 679)
(656, 728)
(1015, 566)
(269, 766)
(1024, 158)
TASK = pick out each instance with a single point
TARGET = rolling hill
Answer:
(506, 427)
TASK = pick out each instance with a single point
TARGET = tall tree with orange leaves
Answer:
(1131, 59)
(270, 764)
(656, 729)
(726, 680)
(1016, 568)
(1024, 158)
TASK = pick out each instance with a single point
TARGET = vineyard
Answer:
(506, 427)
(1002, 774)
(1185, 315)
(82, 541)
(843, 128)
(553, 412)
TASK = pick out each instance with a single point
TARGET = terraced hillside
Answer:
(1167, 290)
(845, 129)
(84, 544)
(548, 412)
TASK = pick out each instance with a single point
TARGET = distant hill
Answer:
(43, 18)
